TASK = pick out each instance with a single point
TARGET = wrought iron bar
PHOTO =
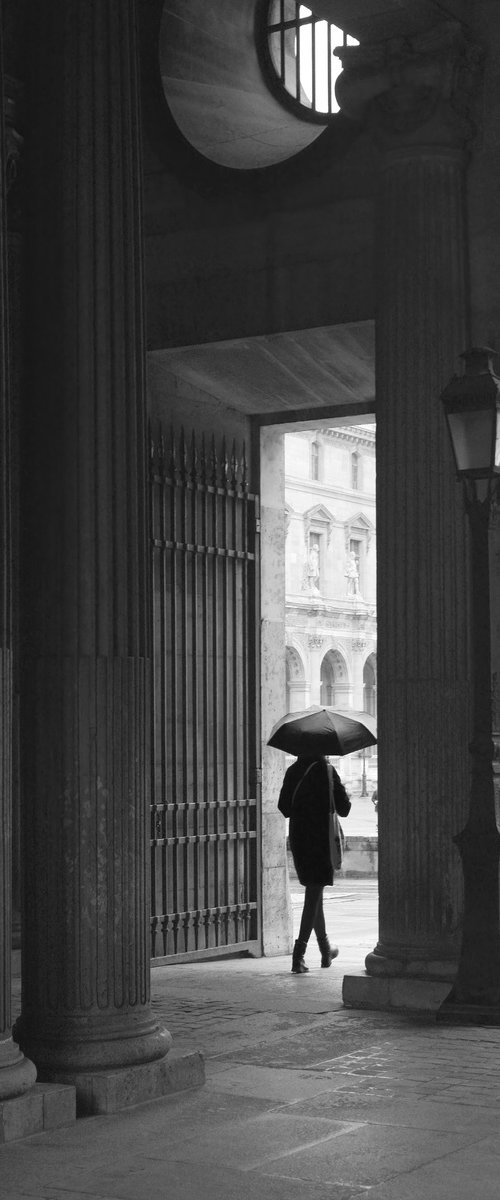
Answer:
(313, 64)
(244, 618)
(297, 52)
(194, 675)
(225, 671)
(215, 666)
(173, 659)
(282, 41)
(329, 55)
(206, 695)
(184, 671)
(235, 505)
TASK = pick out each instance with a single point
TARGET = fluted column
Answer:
(85, 627)
(17, 1073)
(413, 96)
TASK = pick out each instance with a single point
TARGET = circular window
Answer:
(221, 66)
(299, 49)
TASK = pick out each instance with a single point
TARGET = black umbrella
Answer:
(324, 730)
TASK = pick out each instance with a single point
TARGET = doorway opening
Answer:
(326, 647)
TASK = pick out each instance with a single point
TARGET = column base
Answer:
(418, 963)
(394, 993)
(110, 1091)
(65, 1046)
(17, 1073)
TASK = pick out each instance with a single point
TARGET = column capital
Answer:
(414, 91)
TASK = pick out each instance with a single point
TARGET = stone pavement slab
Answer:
(367, 1155)
(261, 1140)
(471, 1174)
(186, 1181)
(399, 1106)
(303, 1099)
(268, 1083)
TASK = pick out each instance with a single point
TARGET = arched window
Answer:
(300, 51)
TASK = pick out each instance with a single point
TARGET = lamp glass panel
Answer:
(472, 436)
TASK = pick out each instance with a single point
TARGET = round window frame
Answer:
(219, 181)
(272, 79)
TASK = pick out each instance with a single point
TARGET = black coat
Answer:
(310, 817)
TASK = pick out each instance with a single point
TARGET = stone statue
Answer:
(352, 575)
(313, 568)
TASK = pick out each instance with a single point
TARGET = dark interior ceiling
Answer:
(276, 376)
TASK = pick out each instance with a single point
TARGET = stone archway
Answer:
(296, 686)
(334, 680)
(370, 685)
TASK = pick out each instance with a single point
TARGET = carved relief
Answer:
(358, 645)
(315, 641)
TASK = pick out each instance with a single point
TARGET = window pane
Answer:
(303, 57)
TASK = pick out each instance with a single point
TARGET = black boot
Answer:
(328, 953)
(298, 964)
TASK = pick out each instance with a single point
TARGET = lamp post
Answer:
(363, 777)
(472, 408)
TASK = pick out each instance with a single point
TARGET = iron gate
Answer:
(205, 777)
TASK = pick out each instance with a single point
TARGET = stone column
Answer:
(85, 749)
(13, 102)
(413, 95)
(17, 1073)
(484, 234)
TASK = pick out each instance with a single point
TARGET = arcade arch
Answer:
(297, 691)
(334, 680)
(370, 684)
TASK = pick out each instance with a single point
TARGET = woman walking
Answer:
(311, 792)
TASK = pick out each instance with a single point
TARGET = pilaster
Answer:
(277, 931)
(358, 661)
(85, 625)
(413, 94)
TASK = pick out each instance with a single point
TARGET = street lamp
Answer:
(472, 407)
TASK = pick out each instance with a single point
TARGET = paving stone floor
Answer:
(303, 1098)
